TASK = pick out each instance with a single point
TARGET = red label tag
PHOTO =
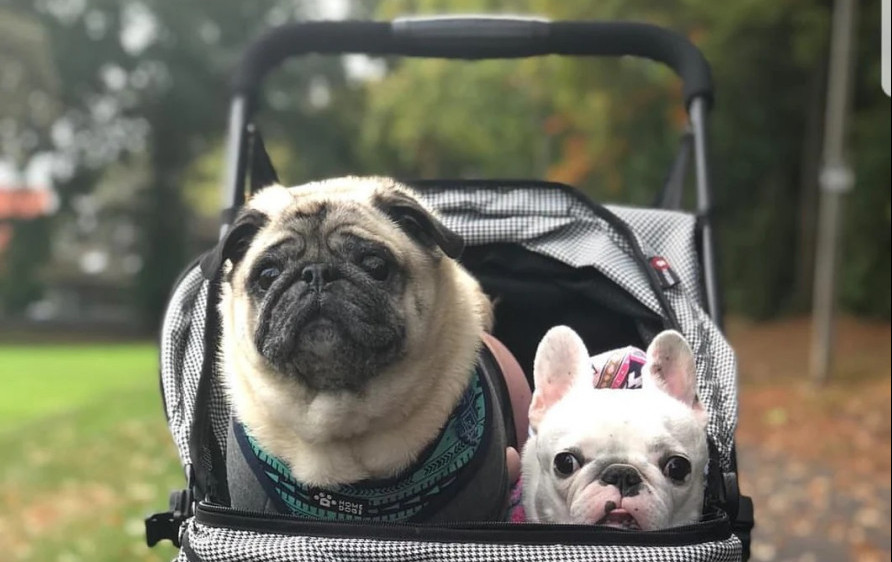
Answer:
(668, 278)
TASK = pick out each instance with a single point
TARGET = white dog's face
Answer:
(631, 459)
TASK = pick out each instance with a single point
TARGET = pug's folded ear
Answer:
(419, 223)
(234, 243)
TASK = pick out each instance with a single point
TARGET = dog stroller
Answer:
(548, 254)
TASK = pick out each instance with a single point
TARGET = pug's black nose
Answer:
(316, 275)
(624, 477)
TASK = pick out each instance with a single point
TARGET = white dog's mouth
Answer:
(620, 519)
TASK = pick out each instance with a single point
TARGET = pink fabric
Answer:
(516, 513)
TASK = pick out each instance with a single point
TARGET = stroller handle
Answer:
(477, 37)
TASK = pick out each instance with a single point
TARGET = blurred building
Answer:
(21, 203)
(93, 256)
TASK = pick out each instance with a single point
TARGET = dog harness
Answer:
(457, 473)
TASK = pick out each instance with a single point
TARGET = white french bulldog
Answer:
(625, 458)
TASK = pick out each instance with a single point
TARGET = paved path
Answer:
(803, 513)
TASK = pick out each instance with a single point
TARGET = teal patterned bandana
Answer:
(442, 466)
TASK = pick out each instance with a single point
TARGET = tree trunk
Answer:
(808, 194)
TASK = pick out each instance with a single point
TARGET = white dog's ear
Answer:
(560, 359)
(670, 368)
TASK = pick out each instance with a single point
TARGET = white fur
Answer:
(636, 428)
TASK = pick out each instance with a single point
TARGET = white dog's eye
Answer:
(566, 463)
(677, 468)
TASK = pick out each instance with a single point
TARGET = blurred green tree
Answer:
(29, 103)
(150, 78)
(610, 127)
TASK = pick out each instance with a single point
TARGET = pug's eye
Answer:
(267, 276)
(677, 468)
(375, 266)
(566, 463)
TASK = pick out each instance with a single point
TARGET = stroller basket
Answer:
(580, 259)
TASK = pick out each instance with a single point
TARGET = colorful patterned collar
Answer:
(618, 368)
(411, 496)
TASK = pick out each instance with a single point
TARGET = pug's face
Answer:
(331, 283)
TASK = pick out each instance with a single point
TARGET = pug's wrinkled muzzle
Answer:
(326, 332)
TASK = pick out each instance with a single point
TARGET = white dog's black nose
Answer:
(626, 479)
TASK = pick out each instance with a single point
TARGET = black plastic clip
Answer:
(740, 507)
(168, 524)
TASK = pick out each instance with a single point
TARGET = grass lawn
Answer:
(86, 452)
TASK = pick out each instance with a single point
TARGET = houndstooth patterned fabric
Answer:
(671, 234)
(182, 355)
(228, 545)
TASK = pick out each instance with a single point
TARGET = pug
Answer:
(630, 458)
(349, 337)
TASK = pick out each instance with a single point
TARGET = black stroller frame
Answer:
(475, 38)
